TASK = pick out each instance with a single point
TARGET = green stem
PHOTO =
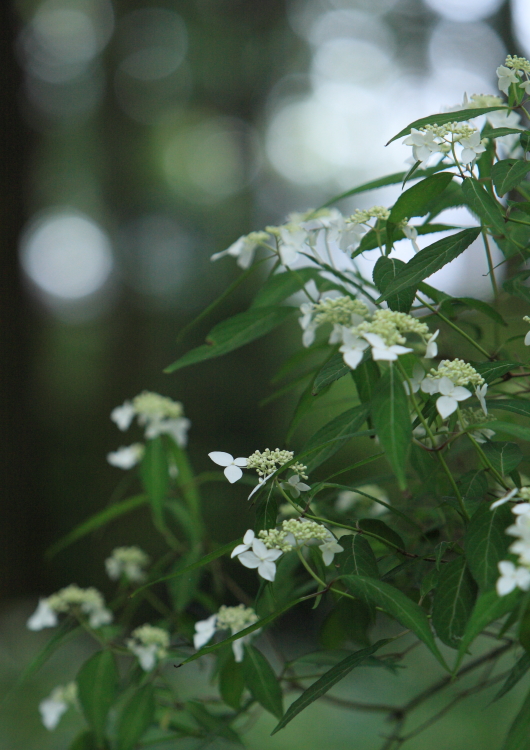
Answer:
(430, 434)
(487, 462)
(490, 264)
(454, 327)
(310, 569)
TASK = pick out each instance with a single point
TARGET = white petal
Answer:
(237, 648)
(241, 461)
(220, 458)
(385, 355)
(233, 473)
(352, 357)
(259, 549)
(267, 570)
(51, 711)
(527, 339)
(428, 385)
(460, 393)
(249, 560)
(273, 554)
(375, 340)
(249, 537)
(239, 549)
(505, 586)
(446, 386)
(123, 415)
(506, 568)
(446, 406)
(43, 617)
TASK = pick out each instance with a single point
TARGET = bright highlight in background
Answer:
(66, 255)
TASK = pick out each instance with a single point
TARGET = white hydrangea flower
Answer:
(423, 144)
(234, 619)
(243, 249)
(451, 395)
(123, 415)
(149, 644)
(127, 561)
(511, 578)
(261, 558)
(158, 414)
(329, 548)
(411, 233)
(418, 376)
(43, 617)
(353, 348)
(472, 147)
(295, 486)
(506, 77)
(232, 465)
(381, 350)
(204, 631)
(57, 703)
(126, 457)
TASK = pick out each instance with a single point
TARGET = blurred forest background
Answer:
(140, 137)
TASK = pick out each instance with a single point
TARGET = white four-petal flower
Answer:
(506, 77)
(382, 351)
(451, 395)
(295, 486)
(511, 578)
(329, 549)
(261, 558)
(232, 465)
(352, 348)
(204, 631)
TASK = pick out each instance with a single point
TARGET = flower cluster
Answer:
(244, 248)
(267, 462)
(441, 139)
(234, 619)
(339, 311)
(57, 703)
(157, 414)
(72, 600)
(513, 576)
(449, 380)
(507, 73)
(149, 644)
(127, 456)
(128, 562)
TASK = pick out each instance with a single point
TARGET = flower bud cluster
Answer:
(149, 644)
(459, 373)
(391, 326)
(236, 618)
(338, 311)
(520, 64)
(267, 462)
(127, 561)
(149, 406)
(293, 533)
(71, 600)
(362, 215)
(158, 414)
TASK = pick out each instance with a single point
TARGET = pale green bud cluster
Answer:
(74, 599)
(127, 561)
(524, 494)
(236, 618)
(457, 130)
(362, 215)
(483, 100)
(65, 694)
(267, 462)
(294, 532)
(391, 326)
(458, 372)
(338, 311)
(153, 406)
(276, 539)
(520, 64)
(149, 635)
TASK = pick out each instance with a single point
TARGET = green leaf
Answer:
(490, 371)
(431, 259)
(505, 457)
(86, 741)
(517, 672)
(473, 485)
(515, 405)
(453, 602)
(444, 117)
(262, 682)
(500, 132)
(97, 687)
(154, 471)
(508, 173)
(396, 604)
(349, 620)
(370, 240)
(235, 332)
(484, 205)
(334, 435)
(231, 682)
(514, 430)
(332, 370)
(96, 522)
(385, 271)
(266, 510)
(518, 737)
(516, 286)
(414, 201)
(326, 682)
(380, 530)
(489, 607)
(215, 726)
(473, 304)
(279, 286)
(486, 543)
(358, 557)
(390, 414)
(452, 197)
(136, 717)
(366, 377)
(391, 179)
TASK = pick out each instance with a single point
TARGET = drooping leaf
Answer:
(486, 543)
(431, 259)
(517, 672)
(332, 370)
(390, 415)
(334, 434)
(366, 377)
(505, 457)
(231, 682)
(326, 682)
(453, 602)
(385, 271)
(508, 173)
(154, 471)
(262, 682)
(97, 685)
(266, 510)
(279, 286)
(483, 205)
(358, 557)
(452, 197)
(518, 737)
(396, 604)
(488, 608)
(414, 201)
(235, 332)
(136, 717)
(490, 371)
(515, 405)
(380, 530)
(444, 117)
